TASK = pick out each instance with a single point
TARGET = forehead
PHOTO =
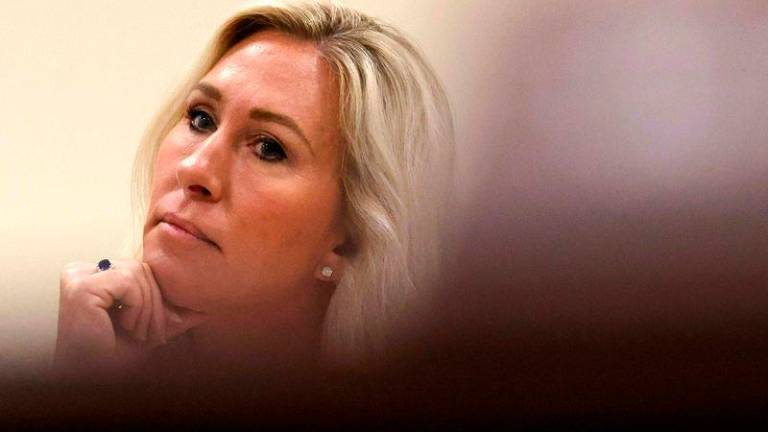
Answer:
(272, 67)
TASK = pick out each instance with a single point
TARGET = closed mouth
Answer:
(187, 227)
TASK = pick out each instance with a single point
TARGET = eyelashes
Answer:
(264, 147)
(268, 149)
(200, 121)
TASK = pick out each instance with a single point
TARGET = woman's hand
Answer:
(95, 336)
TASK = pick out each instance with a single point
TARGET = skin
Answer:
(266, 204)
(275, 222)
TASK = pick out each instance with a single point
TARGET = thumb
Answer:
(178, 320)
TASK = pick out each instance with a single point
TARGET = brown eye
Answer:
(200, 120)
(269, 149)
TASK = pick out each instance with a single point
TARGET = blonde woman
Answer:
(290, 194)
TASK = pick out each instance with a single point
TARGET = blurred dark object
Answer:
(613, 249)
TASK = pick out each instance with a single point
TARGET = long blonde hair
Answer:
(398, 147)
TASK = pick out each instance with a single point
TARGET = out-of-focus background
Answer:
(611, 202)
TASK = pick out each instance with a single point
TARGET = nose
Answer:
(202, 174)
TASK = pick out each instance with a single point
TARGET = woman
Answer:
(290, 193)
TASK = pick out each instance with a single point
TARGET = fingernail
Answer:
(174, 317)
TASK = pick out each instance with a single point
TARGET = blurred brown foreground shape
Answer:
(612, 240)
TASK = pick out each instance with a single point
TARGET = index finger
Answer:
(176, 319)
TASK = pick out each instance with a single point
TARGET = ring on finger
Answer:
(104, 265)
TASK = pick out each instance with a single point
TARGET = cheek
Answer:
(273, 217)
(290, 222)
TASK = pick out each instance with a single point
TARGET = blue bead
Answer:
(104, 264)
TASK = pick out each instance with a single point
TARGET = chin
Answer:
(184, 280)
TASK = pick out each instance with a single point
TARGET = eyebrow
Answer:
(258, 113)
(209, 90)
(270, 116)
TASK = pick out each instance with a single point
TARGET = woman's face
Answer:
(246, 203)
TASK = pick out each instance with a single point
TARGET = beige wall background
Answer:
(79, 81)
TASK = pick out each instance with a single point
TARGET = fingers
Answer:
(124, 282)
(92, 335)
(155, 321)
(157, 327)
(87, 334)
(109, 286)
(175, 320)
(149, 322)
(144, 315)
(180, 320)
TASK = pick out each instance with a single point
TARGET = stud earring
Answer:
(326, 272)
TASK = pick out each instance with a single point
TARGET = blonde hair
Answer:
(398, 147)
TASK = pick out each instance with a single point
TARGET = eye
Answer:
(268, 149)
(200, 120)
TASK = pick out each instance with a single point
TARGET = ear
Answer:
(332, 266)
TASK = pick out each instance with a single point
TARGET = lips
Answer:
(184, 225)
